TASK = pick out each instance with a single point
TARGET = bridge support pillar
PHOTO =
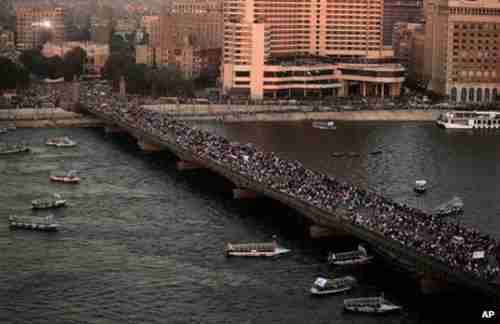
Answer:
(320, 232)
(242, 193)
(188, 165)
(148, 147)
(432, 285)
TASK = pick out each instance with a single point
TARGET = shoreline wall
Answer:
(46, 117)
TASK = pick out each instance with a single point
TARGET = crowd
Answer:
(41, 95)
(418, 231)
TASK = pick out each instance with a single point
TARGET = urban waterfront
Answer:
(142, 243)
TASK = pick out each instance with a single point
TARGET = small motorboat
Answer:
(324, 125)
(3, 130)
(61, 142)
(378, 305)
(338, 154)
(46, 223)
(324, 286)
(45, 203)
(353, 154)
(453, 207)
(69, 177)
(376, 152)
(14, 149)
(254, 249)
(11, 127)
(420, 186)
(359, 256)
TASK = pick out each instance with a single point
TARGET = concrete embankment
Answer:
(46, 117)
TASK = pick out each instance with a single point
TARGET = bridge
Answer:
(433, 273)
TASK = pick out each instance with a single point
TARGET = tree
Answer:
(34, 61)
(55, 67)
(74, 63)
(115, 67)
(13, 75)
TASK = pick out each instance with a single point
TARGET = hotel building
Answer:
(279, 48)
(462, 49)
(36, 25)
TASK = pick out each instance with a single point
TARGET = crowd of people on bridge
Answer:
(459, 247)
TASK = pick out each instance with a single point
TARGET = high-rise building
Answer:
(405, 11)
(260, 35)
(462, 49)
(37, 25)
(101, 24)
(402, 40)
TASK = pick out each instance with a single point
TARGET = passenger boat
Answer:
(69, 177)
(46, 223)
(3, 130)
(45, 203)
(420, 186)
(453, 207)
(324, 286)
(377, 305)
(469, 119)
(360, 256)
(61, 142)
(255, 249)
(13, 149)
(324, 125)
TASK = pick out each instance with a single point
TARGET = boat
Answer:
(13, 149)
(61, 142)
(338, 154)
(359, 256)
(324, 286)
(353, 154)
(377, 305)
(255, 249)
(420, 186)
(11, 127)
(453, 207)
(376, 152)
(324, 124)
(469, 120)
(3, 130)
(45, 203)
(69, 177)
(45, 223)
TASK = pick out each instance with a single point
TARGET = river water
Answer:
(143, 243)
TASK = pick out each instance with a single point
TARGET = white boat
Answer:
(360, 256)
(61, 142)
(420, 186)
(255, 249)
(324, 286)
(453, 207)
(46, 223)
(324, 124)
(370, 305)
(469, 119)
(45, 203)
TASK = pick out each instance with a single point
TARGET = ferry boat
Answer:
(61, 142)
(46, 223)
(377, 305)
(13, 149)
(469, 119)
(324, 125)
(360, 256)
(453, 207)
(420, 186)
(255, 249)
(324, 286)
(69, 177)
(45, 203)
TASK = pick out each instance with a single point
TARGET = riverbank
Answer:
(46, 117)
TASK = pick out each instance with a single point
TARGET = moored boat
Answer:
(377, 305)
(469, 119)
(14, 149)
(255, 249)
(359, 256)
(69, 177)
(453, 207)
(324, 286)
(45, 203)
(61, 142)
(46, 223)
(420, 186)
(324, 124)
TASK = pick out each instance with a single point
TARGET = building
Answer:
(409, 11)
(6, 38)
(97, 54)
(189, 33)
(462, 49)
(37, 25)
(402, 40)
(416, 58)
(151, 26)
(307, 48)
(101, 24)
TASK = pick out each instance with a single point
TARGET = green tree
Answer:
(55, 67)
(34, 61)
(13, 75)
(74, 63)
(115, 67)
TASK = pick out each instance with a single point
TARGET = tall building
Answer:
(97, 54)
(101, 24)
(264, 38)
(462, 49)
(6, 38)
(409, 11)
(37, 25)
(402, 40)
